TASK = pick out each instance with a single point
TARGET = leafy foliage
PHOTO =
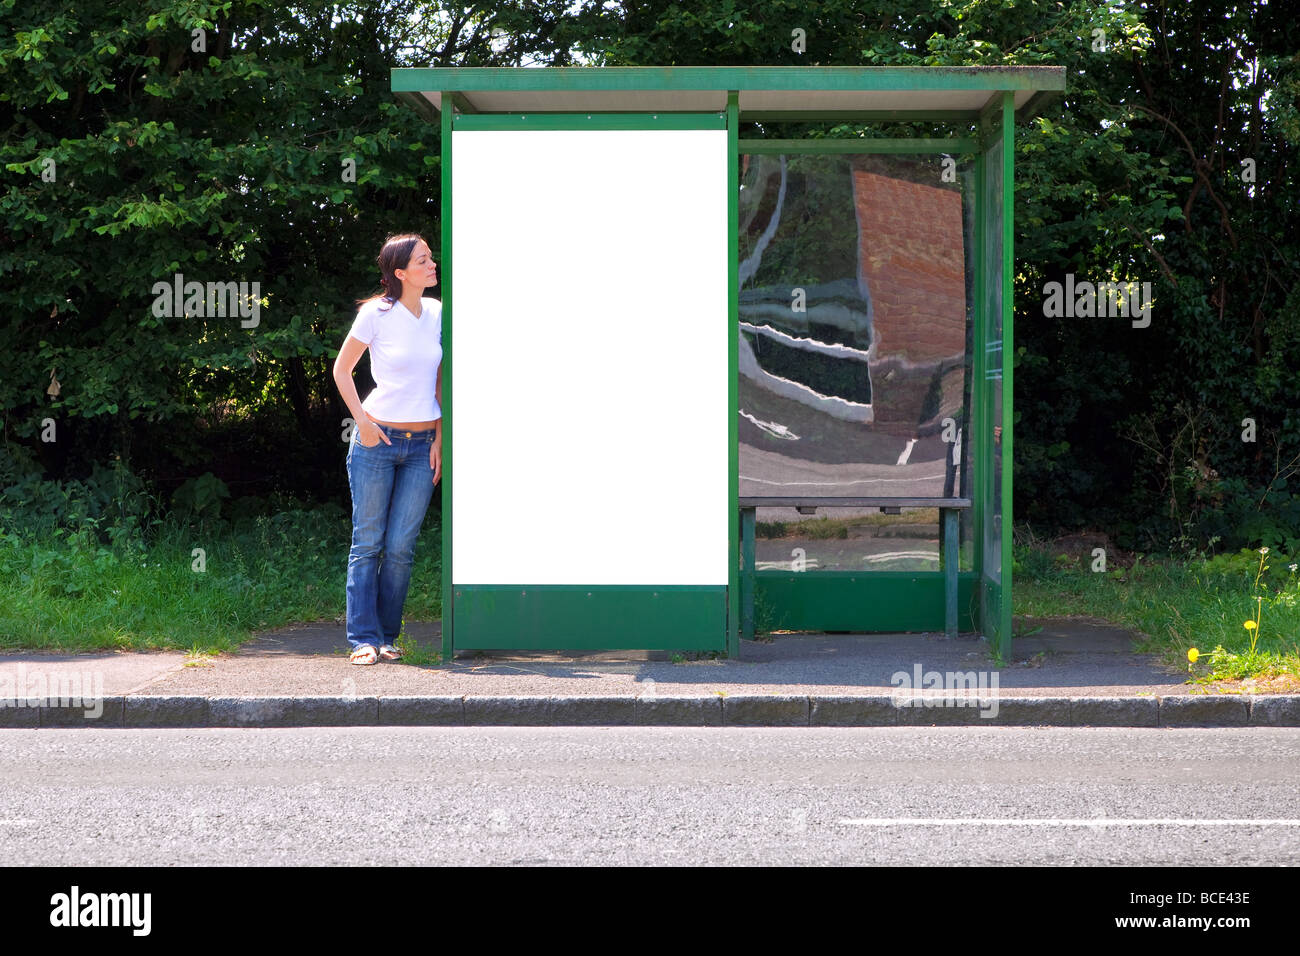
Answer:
(224, 161)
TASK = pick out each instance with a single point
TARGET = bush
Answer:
(111, 506)
(200, 497)
(1253, 517)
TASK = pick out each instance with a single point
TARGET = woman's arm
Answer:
(437, 393)
(435, 451)
(347, 360)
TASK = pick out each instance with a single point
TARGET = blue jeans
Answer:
(391, 489)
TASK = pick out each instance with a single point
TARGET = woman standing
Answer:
(395, 457)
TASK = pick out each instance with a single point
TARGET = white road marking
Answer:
(907, 452)
(1084, 822)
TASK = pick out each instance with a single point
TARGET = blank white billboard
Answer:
(589, 342)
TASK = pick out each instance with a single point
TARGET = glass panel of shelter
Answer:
(856, 324)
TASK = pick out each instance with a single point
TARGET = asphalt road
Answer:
(647, 796)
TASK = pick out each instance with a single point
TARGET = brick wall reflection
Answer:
(913, 262)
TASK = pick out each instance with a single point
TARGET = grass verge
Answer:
(1178, 605)
(203, 588)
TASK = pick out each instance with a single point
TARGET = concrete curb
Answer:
(1115, 711)
(759, 711)
(156, 712)
(1204, 711)
(550, 711)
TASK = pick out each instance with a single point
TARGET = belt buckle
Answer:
(408, 434)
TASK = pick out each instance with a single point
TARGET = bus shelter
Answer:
(696, 382)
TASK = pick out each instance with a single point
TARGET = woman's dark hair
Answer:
(395, 255)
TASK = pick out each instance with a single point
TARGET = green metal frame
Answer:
(979, 404)
(578, 617)
(1008, 356)
(836, 597)
(896, 601)
(997, 126)
(596, 121)
(880, 146)
(446, 276)
(847, 79)
(733, 372)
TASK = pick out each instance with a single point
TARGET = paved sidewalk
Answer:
(1071, 673)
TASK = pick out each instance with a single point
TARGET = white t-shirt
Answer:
(404, 356)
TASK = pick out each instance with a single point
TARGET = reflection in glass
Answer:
(851, 539)
(855, 325)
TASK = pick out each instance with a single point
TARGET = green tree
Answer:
(224, 160)
(222, 141)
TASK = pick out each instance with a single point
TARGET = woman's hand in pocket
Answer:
(368, 427)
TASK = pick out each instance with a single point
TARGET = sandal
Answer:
(365, 654)
(389, 653)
